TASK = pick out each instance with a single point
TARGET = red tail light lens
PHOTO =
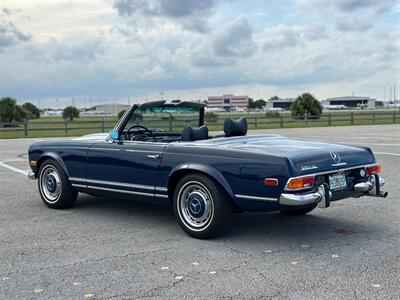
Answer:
(375, 169)
(301, 183)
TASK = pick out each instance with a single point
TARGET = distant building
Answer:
(280, 103)
(228, 102)
(351, 102)
(112, 108)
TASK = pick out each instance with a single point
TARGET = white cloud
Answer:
(139, 48)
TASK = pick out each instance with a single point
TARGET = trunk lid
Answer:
(306, 156)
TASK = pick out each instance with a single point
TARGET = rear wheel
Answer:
(54, 188)
(298, 211)
(201, 206)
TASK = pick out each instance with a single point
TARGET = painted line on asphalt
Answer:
(25, 173)
(387, 153)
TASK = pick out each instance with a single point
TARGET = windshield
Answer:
(169, 119)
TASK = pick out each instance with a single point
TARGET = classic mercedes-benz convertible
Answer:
(205, 178)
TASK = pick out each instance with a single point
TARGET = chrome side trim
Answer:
(79, 185)
(119, 191)
(77, 179)
(161, 189)
(105, 149)
(161, 195)
(138, 186)
(255, 198)
(147, 151)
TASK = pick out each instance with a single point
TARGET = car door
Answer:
(127, 167)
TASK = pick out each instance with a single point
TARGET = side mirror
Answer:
(114, 135)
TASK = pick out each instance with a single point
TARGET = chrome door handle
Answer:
(154, 156)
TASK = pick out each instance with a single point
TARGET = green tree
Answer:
(256, 104)
(34, 111)
(274, 98)
(10, 111)
(306, 105)
(7, 108)
(70, 112)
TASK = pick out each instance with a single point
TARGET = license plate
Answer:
(337, 182)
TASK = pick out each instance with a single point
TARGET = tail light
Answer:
(300, 183)
(375, 169)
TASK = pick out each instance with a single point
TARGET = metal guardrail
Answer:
(254, 121)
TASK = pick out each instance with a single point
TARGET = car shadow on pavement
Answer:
(253, 227)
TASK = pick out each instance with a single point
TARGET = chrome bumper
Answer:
(31, 175)
(321, 195)
(371, 187)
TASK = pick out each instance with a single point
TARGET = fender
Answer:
(206, 169)
(54, 156)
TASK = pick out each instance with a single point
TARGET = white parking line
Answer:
(387, 153)
(13, 169)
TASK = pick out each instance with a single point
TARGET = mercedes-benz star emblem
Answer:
(195, 206)
(336, 157)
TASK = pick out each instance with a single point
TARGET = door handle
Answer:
(153, 156)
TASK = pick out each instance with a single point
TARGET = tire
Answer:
(201, 206)
(298, 211)
(54, 187)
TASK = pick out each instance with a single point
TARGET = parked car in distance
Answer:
(205, 178)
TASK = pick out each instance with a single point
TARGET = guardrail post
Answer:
(373, 118)
(306, 119)
(330, 119)
(255, 122)
(26, 127)
(394, 117)
(281, 120)
(352, 118)
(102, 125)
(65, 126)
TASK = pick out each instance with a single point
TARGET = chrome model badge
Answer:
(336, 157)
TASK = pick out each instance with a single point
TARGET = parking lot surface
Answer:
(109, 249)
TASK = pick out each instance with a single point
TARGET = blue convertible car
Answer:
(205, 178)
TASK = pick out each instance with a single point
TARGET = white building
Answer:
(351, 102)
(280, 103)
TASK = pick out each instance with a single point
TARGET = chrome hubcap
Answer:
(50, 184)
(195, 205)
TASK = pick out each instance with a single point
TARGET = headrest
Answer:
(195, 134)
(235, 128)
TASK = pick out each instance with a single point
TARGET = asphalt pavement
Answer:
(115, 249)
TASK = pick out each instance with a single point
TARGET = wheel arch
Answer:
(56, 157)
(178, 172)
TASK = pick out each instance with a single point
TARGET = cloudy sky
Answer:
(100, 51)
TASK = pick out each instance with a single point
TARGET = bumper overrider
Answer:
(322, 195)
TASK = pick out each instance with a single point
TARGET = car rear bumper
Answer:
(322, 196)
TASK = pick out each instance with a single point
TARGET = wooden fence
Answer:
(254, 122)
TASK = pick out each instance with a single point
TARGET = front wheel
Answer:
(201, 206)
(54, 188)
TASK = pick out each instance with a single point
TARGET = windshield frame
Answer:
(119, 127)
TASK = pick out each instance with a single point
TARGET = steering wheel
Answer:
(144, 129)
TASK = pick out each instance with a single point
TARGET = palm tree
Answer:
(306, 105)
(70, 112)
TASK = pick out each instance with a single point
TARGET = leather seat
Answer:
(235, 128)
(195, 134)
